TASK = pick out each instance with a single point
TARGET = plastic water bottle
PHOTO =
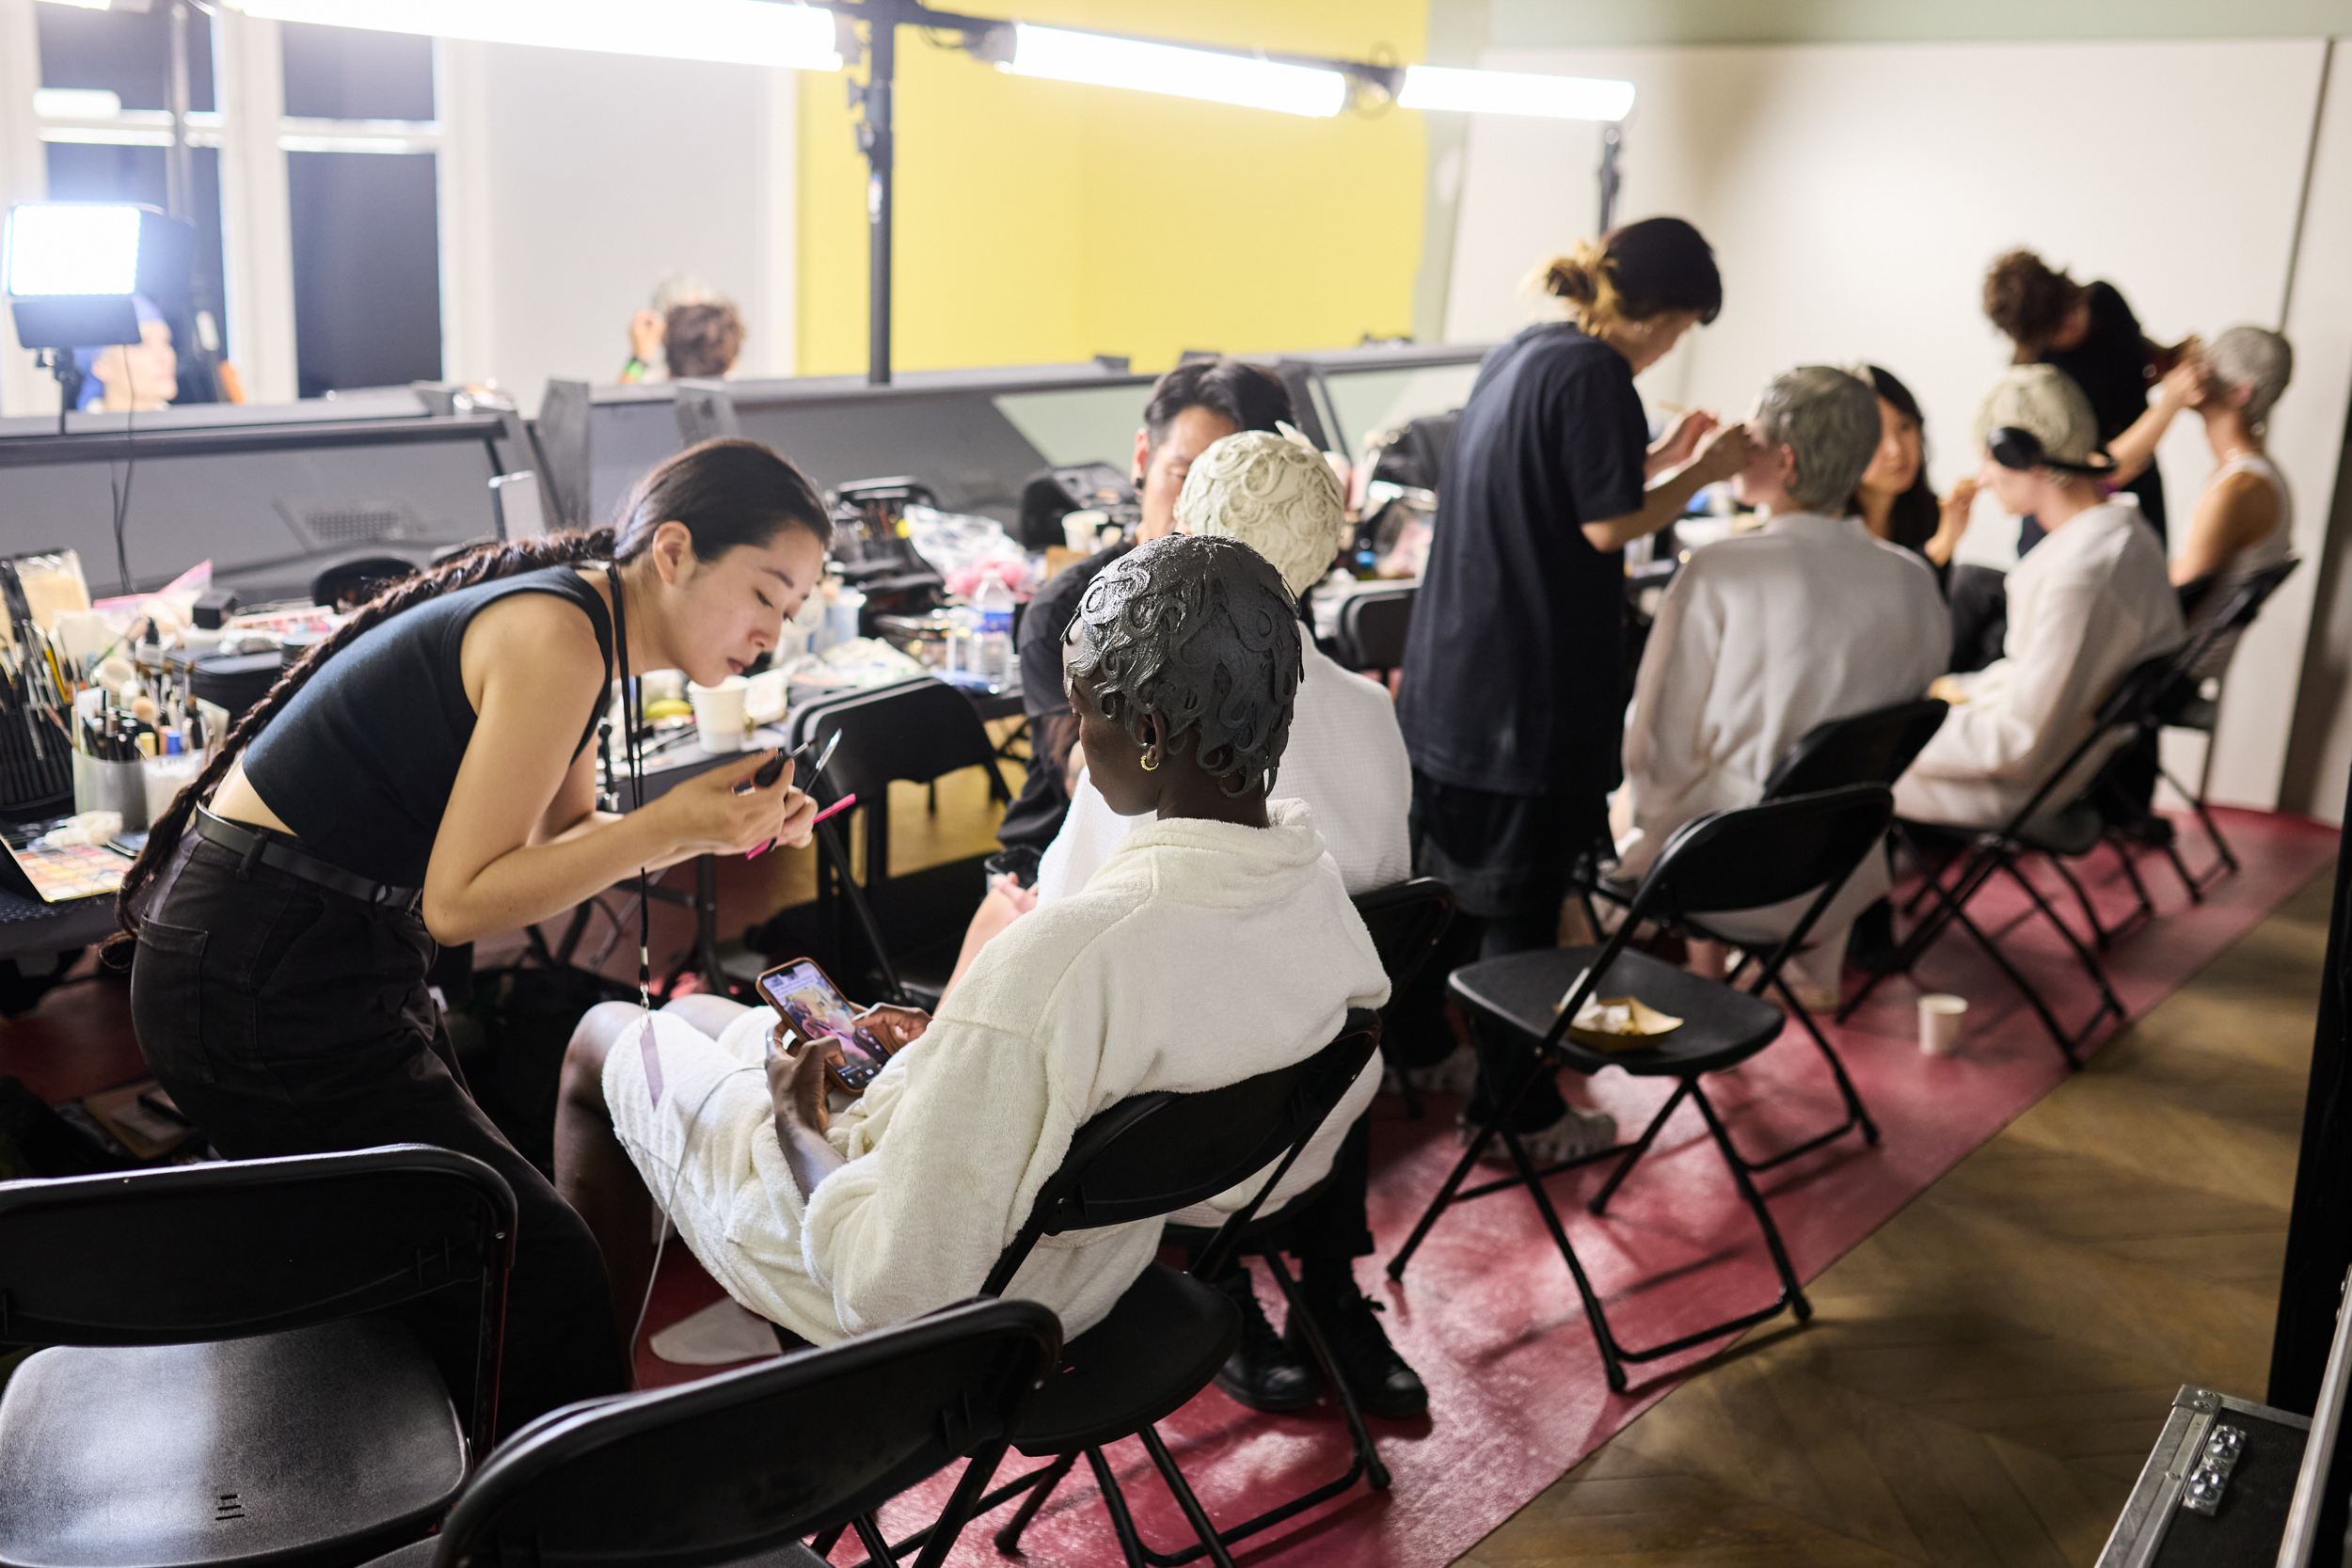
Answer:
(995, 603)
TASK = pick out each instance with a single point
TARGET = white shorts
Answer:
(706, 1150)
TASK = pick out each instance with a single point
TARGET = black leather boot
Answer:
(1264, 1372)
(1383, 1384)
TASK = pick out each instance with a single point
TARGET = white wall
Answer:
(1855, 191)
(573, 183)
(24, 177)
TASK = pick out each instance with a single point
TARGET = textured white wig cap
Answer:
(1274, 493)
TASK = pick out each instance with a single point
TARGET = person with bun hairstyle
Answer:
(2089, 332)
(1514, 687)
(427, 776)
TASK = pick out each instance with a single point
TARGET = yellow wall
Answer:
(1042, 221)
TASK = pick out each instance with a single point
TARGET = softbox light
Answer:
(70, 270)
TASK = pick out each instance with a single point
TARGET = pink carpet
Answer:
(1487, 1314)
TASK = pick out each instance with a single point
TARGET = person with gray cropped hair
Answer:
(1821, 426)
(1763, 636)
(2245, 519)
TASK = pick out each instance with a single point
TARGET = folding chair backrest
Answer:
(2251, 595)
(189, 1254)
(1373, 628)
(722, 1469)
(1153, 1154)
(1764, 854)
(1406, 921)
(915, 730)
(1867, 748)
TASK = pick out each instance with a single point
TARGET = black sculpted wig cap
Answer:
(1203, 633)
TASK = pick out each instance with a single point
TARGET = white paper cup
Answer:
(1940, 1018)
(720, 717)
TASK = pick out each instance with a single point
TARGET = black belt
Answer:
(272, 850)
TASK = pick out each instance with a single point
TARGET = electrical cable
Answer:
(669, 1205)
(130, 467)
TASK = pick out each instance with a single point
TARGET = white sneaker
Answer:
(1456, 1075)
(1572, 1137)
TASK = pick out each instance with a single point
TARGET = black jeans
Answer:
(286, 1018)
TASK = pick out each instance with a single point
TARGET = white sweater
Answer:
(1345, 759)
(1761, 638)
(2084, 605)
(1199, 955)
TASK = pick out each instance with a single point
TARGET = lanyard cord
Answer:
(636, 784)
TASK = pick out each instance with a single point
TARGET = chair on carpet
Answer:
(738, 1468)
(1407, 921)
(918, 731)
(1148, 1156)
(2055, 833)
(1373, 628)
(2202, 714)
(1870, 747)
(220, 1385)
(1747, 858)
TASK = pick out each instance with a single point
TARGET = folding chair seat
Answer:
(737, 1467)
(1148, 1156)
(220, 1386)
(1751, 858)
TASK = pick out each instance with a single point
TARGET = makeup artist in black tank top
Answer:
(424, 776)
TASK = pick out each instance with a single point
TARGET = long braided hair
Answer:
(726, 492)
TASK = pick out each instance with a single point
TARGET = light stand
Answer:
(1612, 140)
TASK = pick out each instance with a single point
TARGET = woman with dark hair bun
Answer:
(1514, 689)
(423, 777)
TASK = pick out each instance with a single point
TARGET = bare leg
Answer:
(591, 1170)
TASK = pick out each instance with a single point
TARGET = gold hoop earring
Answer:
(1152, 759)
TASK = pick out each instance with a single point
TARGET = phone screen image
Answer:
(817, 1011)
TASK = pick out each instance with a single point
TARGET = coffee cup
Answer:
(721, 720)
(1940, 1017)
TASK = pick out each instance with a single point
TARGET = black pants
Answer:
(1510, 860)
(285, 1018)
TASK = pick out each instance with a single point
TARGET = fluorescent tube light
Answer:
(72, 247)
(87, 5)
(1117, 62)
(1514, 92)
(76, 104)
(733, 32)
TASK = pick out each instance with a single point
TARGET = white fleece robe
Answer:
(1201, 954)
(2084, 605)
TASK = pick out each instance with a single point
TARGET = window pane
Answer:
(87, 171)
(353, 74)
(366, 269)
(128, 52)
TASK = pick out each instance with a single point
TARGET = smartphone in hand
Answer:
(806, 998)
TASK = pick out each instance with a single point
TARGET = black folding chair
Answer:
(220, 1387)
(2193, 710)
(918, 731)
(739, 1467)
(1149, 1156)
(1735, 860)
(1373, 628)
(2057, 832)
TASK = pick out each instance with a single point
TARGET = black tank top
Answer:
(361, 762)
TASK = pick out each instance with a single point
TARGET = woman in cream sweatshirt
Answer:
(1213, 945)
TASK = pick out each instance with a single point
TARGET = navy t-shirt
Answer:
(1513, 673)
(2110, 365)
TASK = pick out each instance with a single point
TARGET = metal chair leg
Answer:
(2083, 955)
(1792, 1293)
(1008, 1538)
(1181, 1490)
(1115, 1503)
(1640, 1146)
(2099, 933)
(1367, 1457)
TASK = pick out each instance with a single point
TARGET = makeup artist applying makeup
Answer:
(425, 776)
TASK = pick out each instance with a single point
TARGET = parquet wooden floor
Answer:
(1983, 1377)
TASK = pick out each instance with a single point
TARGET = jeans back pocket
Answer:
(168, 1000)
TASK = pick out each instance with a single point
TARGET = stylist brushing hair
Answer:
(426, 776)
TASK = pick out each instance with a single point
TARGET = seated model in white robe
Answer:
(1761, 638)
(2084, 605)
(1200, 954)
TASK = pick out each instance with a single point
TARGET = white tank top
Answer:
(2268, 550)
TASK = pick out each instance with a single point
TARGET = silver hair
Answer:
(2257, 360)
(1831, 421)
(1202, 633)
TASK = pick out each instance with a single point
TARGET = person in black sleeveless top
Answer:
(424, 777)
